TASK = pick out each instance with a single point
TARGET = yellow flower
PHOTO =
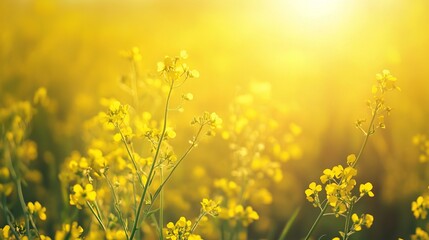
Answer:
(351, 159)
(215, 120)
(132, 55)
(43, 237)
(117, 113)
(5, 232)
(357, 222)
(366, 189)
(72, 232)
(210, 207)
(40, 96)
(420, 234)
(369, 219)
(365, 220)
(81, 195)
(420, 206)
(312, 193)
(37, 208)
(188, 96)
(385, 82)
(181, 230)
(115, 234)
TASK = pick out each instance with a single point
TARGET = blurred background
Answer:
(319, 56)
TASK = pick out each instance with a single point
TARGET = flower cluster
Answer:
(210, 207)
(386, 82)
(420, 234)
(420, 206)
(208, 119)
(259, 145)
(6, 186)
(181, 230)
(69, 231)
(339, 182)
(37, 208)
(364, 220)
(18, 154)
(175, 71)
(239, 215)
(129, 157)
(422, 143)
(81, 195)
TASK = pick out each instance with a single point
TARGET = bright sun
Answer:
(317, 9)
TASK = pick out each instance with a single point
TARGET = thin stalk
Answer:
(222, 230)
(368, 133)
(157, 192)
(347, 223)
(158, 228)
(237, 230)
(317, 221)
(145, 189)
(161, 204)
(197, 222)
(134, 196)
(289, 224)
(130, 154)
(24, 207)
(116, 204)
(100, 221)
(8, 215)
(33, 224)
(17, 181)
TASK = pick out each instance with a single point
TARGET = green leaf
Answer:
(289, 224)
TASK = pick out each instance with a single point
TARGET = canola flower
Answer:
(336, 191)
(259, 148)
(181, 230)
(129, 153)
(420, 206)
(81, 195)
(17, 152)
(129, 158)
(37, 208)
(69, 231)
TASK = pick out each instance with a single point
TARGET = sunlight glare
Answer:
(317, 9)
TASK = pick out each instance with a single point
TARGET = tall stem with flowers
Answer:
(339, 182)
(131, 156)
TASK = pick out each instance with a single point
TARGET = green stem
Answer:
(145, 189)
(17, 180)
(157, 192)
(161, 205)
(368, 133)
(236, 230)
(222, 230)
(317, 221)
(8, 216)
(100, 221)
(289, 224)
(24, 207)
(116, 204)
(130, 153)
(347, 223)
(197, 222)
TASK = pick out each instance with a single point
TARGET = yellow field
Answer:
(255, 101)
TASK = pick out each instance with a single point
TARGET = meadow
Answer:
(214, 119)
